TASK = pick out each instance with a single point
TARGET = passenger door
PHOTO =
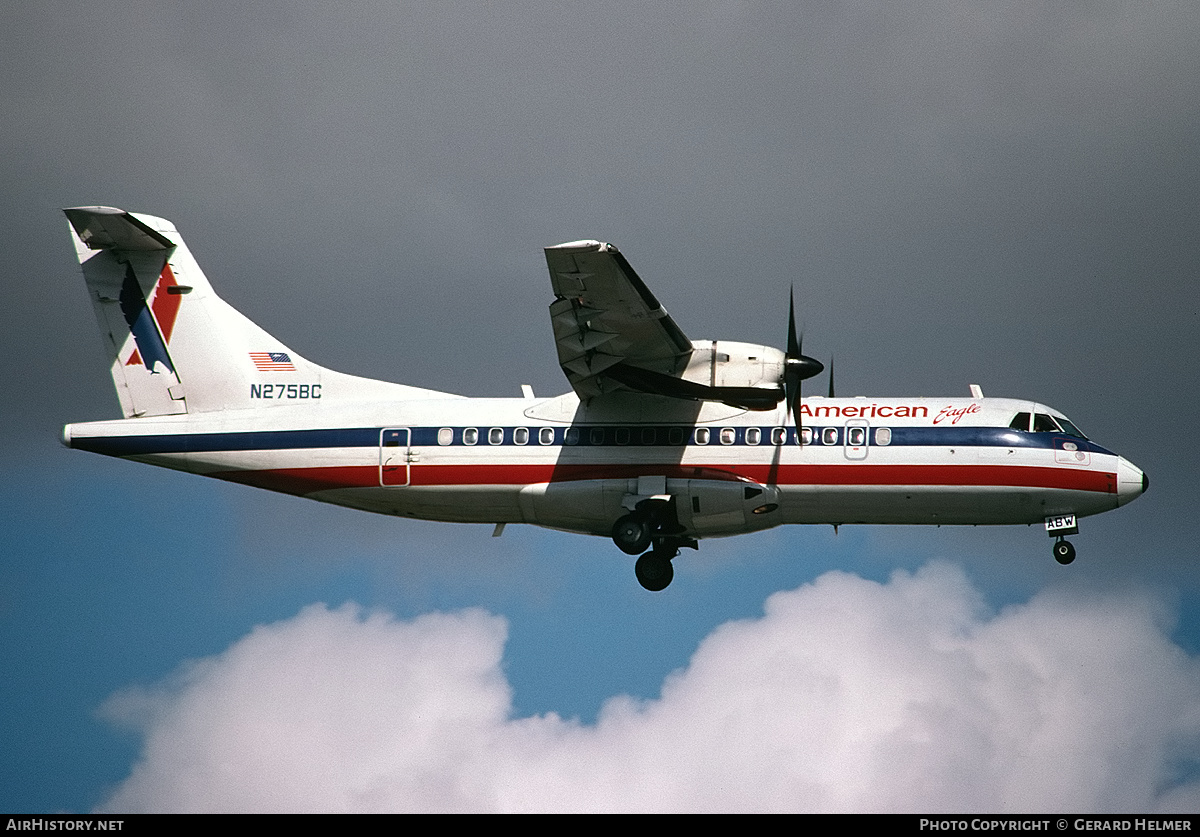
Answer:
(857, 436)
(394, 456)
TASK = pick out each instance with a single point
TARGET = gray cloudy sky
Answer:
(994, 193)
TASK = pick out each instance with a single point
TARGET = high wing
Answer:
(606, 321)
(612, 335)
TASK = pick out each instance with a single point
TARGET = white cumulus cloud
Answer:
(846, 695)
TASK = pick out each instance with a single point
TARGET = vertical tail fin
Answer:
(136, 297)
(175, 346)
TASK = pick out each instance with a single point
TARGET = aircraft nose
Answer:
(1132, 481)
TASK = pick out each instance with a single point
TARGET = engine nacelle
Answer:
(723, 507)
(726, 363)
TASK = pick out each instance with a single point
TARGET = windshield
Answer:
(1044, 423)
(1069, 428)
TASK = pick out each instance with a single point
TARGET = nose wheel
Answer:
(1064, 552)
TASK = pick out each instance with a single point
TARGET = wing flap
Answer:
(604, 315)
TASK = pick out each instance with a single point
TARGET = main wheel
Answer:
(632, 534)
(654, 571)
(1064, 552)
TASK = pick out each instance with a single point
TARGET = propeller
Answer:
(798, 367)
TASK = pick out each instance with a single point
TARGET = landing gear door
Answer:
(857, 432)
(394, 456)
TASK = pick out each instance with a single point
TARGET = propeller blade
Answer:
(831, 376)
(793, 344)
(798, 366)
(791, 380)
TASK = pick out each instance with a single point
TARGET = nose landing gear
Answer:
(1058, 527)
(1064, 552)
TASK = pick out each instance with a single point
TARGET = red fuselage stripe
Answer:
(307, 480)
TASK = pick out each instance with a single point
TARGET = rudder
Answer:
(135, 296)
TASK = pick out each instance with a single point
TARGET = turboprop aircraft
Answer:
(662, 442)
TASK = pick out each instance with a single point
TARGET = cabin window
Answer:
(702, 435)
(753, 435)
(571, 437)
(1042, 423)
(649, 435)
(856, 436)
(728, 435)
(546, 436)
(470, 435)
(806, 436)
(622, 435)
(446, 436)
(778, 435)
(883, 435)
(596, 437)
(675, 436)
(496, 436)
(521, 436)
(1019, 422)
(829, 436)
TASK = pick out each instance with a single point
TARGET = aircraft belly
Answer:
(477, 504)
(937, 505)
(174, 461)
(586, 506)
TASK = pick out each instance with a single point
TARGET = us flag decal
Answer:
(272, 362)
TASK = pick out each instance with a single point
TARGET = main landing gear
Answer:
(633, 533)
(652, 524)
(654, 569)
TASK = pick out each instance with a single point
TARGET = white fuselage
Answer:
(561, 464)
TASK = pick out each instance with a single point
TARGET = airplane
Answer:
(663, 441)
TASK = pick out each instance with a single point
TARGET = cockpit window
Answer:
(1069, 428)
(1042, 423)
